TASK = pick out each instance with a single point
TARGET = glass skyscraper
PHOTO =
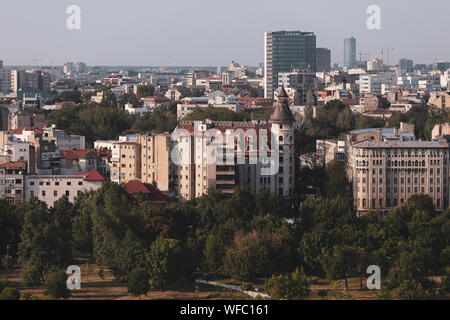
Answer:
(285, 51)
(349, 52)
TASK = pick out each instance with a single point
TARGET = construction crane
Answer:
(363, 55)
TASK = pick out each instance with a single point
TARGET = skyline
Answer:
(117, 34)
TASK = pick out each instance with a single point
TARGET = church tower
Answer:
(282, 127)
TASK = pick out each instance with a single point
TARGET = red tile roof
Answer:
(79, 153)
(35, 130)
(93, 175)
(136, 186)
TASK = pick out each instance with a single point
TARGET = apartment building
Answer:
(125, 161)
(12, 176)
(155, 160)
(442, 129)
(201, 167)
(50, 188)
(386, 173)
(20, 151)
(19, 120)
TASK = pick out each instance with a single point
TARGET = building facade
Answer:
(323, 59)
(349, 52)
(385, 174)
(50, 188)
(284, 51)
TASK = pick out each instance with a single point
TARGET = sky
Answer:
(212, 32)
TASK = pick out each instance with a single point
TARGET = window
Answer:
(55, 193)
(67, 193)
(69, 183)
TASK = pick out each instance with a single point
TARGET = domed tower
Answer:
(282, 124)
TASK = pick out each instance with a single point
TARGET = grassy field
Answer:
(93, 287)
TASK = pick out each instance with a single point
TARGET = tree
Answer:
(146, 90)
(253, 93)
(31, 276)
(10, 227)
(165, 262)
(118, 231)
(82, 226)
(56, 285)
(138, 282)
(342, 263)
(410, 290)
(247, 258)
(445, 282)
(293, 286)
(10, 294)
(109, 98)
(46, 241)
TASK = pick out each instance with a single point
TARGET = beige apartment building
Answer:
(125, 162)
(197, 174)
(50, 188)
(150, 157)
(441, 129)
(12, 181)
(386, 173)
(155, 159)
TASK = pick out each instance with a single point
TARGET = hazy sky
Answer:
(211, 33)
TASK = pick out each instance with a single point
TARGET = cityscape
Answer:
(318, 173)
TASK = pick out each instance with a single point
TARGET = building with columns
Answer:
(386, 173)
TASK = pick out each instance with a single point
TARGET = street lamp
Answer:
(8, 246)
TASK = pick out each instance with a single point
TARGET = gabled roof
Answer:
(93, 175)
(136, 186)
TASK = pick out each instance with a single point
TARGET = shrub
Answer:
(138, 282)
(290, 286)
(322, 293)
(247, 286)
(56, 286)
(31, 277)
(10, 294)
(3, 283)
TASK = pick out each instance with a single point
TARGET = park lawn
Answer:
(93, 287)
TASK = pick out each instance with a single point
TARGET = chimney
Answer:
(395, 132)
(380, 134)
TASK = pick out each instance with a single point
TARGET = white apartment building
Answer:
(50, 188)
(373, 83)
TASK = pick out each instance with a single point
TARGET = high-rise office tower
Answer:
(285, 51)
(406, 65)
(323, 59)
(349, 52)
